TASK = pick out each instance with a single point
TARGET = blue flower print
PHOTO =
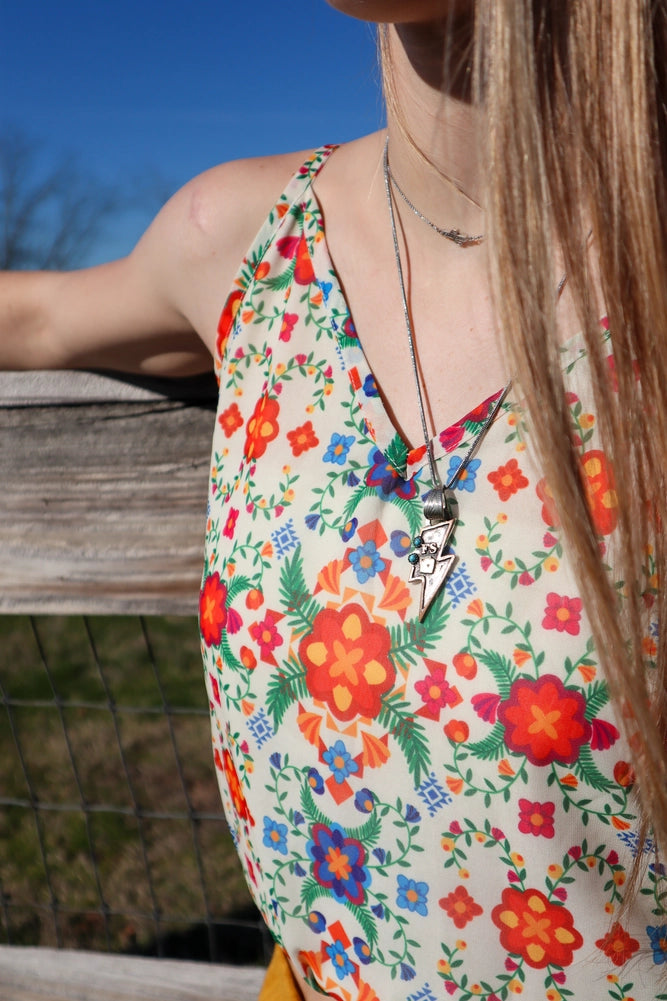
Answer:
(370, 386)
(340, 761)
(315, 781)
(658, 940)
(412, 814)
(466, 480)
(316, 921)
(342, 963)
(362, 950)
(338, 448)
(348, 529)
(400, 543)
(366, 561)
(364, 800)
(412, 895)
(386, 480)
(275, 835)
(325, 288)
(338, 863)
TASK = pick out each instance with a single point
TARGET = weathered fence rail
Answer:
(104, 486)
(50, 975)
(103, 492)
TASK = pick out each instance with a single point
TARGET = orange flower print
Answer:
(230, 420)
(302, 438)
(235, 790)
(227, 319)
(212, 609)
(544, 720)
(600, 491)
(303, 269)
(532, 927)
(460, 906)
(624, 774)
(457, 730)
(508, 480)
(549, 513)
(262, 427)
(465, 665)
(618, 944)
(346, 656)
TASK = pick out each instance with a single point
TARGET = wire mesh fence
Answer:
(111, 831)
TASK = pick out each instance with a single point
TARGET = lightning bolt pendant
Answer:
(430, 564)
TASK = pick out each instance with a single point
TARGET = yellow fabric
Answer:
(279, 983)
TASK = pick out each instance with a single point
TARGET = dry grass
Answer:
(143, 866)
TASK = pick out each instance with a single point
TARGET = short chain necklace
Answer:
(455, 235)
(429, 563)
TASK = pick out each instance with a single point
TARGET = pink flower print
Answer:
(562, 613)
(287, 326)
(451, 437)
(536, 818)
(603, 735)
(486, 705)
(266, 635)
(230, 523)
(436, 692)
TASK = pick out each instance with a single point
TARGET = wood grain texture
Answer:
(102, 504)
(28, 974)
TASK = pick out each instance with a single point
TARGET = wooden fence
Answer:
(104, 486)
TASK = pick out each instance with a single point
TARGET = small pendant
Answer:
(430, 564)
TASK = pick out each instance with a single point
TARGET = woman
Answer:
(429, 788)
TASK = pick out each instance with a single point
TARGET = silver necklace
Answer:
(455, 235)
(430, 565)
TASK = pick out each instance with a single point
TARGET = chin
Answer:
(399, 11)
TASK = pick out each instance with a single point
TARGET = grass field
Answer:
(62, 747)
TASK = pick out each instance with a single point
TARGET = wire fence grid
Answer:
(112, 835)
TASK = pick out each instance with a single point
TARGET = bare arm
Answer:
(155, 311)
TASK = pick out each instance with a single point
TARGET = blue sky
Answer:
(146, 94)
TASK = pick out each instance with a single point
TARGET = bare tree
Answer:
(50, 216)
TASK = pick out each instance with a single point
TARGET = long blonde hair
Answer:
(575, 99)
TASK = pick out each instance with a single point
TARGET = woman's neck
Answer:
(433, 123)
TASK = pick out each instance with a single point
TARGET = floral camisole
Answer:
(423, 809)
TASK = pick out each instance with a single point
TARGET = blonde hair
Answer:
(575, 98)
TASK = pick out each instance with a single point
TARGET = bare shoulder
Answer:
(224, 207)
(198, 240)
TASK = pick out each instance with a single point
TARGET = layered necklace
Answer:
(430, 561)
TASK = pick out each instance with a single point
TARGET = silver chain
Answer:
(455, 235)
(470, 454)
